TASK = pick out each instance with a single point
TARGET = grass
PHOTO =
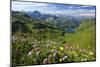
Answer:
(47, 46)
(83, 38)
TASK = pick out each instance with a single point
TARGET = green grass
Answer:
(47, 46)
(83, 38)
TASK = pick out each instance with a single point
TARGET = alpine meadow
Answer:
(52, 33)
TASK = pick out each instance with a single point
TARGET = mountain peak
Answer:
(36, 12)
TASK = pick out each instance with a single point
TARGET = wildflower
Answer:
(61, 48)
(34, 46)
(60, 60)
(52, 50)
(30, 52)
(85, 59)
(91, 53)
(48, 45)
(65, 57)
(45, 61)
(51, 42)
(55, 51)
(38, 52)
(37, 49)
(54, 54)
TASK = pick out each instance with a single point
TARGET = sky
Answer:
(52, 8)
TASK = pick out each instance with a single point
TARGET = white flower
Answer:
(45, 61)
(54, 53)
(37, 49)
(48, 45)
(38, 52)
(65, 57)
(34, 46)
(30, 53)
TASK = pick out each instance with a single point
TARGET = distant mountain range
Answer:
(39, 15)
(64, 22)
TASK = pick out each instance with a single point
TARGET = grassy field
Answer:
(47, 46)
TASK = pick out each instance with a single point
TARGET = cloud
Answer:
(18, 6)
(88, 14)
(54, 8)
(28, 4)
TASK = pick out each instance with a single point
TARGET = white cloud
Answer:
(48, 8)
(28, 4)
(88, 14)
(85, 6)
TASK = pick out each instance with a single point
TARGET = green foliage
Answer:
(47, 44)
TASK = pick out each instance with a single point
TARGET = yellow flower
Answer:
(61, 48)
(91, 53)
(60, 60)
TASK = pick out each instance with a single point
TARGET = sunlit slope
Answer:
(84, 36)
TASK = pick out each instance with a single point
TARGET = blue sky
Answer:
(67, 9)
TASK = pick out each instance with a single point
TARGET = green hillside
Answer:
(35, 41)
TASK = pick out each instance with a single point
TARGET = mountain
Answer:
(40, 20)
(39, 15)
